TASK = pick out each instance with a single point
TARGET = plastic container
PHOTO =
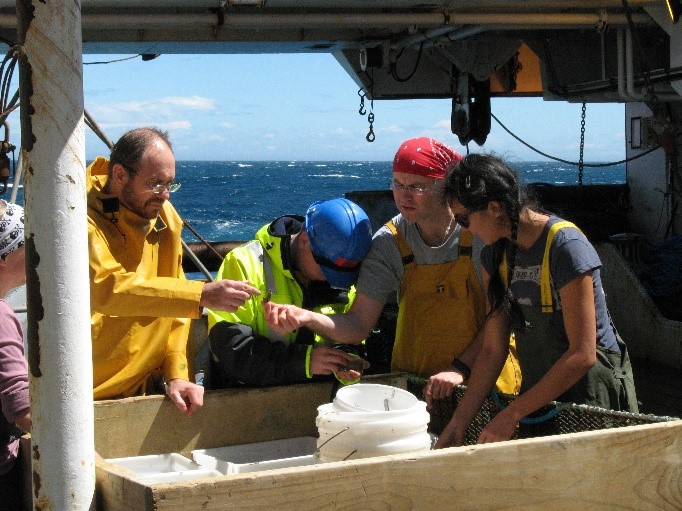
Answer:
(371, 420)
(163, 468)
(237, 459)
(371, 397)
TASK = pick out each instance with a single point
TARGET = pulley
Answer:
(471, 117)
(371, 57)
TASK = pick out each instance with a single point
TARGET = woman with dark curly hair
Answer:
(543, 284)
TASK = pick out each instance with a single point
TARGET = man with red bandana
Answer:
(425, 257)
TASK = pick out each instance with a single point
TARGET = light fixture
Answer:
(674, 10)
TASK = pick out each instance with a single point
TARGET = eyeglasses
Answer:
(158, 188)
(412, 190)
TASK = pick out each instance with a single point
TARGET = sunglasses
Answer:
(463, 218)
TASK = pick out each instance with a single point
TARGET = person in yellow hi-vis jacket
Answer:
(424, 256)
(140, 301)
(311, 261)
(543, 284)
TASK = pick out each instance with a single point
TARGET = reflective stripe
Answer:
(308, 353)
(256, 249)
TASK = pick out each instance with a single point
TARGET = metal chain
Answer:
(582, 146)
(370, 118)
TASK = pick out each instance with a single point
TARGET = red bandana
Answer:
(425, 157)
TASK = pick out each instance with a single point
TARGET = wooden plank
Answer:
(117, 492)
(638, 467)
(152, 425)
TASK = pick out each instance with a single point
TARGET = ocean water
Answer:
(231, 200)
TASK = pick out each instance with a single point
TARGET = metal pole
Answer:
(502, 20)
(57, 284)
(196, 261)
(96, 129)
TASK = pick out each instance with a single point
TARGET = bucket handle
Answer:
(317, 451)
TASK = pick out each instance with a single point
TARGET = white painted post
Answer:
(58, 298)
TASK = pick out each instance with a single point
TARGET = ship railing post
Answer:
(58, 298)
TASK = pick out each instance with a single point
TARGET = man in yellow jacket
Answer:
(141, 303)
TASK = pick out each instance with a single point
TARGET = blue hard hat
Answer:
(340, 234)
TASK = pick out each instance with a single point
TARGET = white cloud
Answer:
(390, 129)
(176, 125)
(228, 125)
(152, 111)
(131, 106)
(190, 102)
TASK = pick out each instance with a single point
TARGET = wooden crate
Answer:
(637, 467)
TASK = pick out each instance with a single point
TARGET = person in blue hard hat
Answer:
(310, 261)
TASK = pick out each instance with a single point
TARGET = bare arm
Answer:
(483, 376)
(351, 327)
(492, 349)
(578, 308)
(442, 384)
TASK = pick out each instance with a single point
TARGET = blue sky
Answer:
(305, 107)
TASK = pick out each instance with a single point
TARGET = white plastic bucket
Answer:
(371, 420)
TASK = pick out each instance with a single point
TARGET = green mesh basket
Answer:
(565, 417)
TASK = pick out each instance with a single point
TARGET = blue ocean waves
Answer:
(231, 200)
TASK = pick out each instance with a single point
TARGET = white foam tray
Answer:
(236, 459)
(163, 468)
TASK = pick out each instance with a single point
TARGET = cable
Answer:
(567, 161)
(394, 66)
(113, 61)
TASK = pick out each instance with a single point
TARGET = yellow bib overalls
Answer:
(441, 309)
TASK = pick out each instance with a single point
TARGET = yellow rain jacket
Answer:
(140, 301)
